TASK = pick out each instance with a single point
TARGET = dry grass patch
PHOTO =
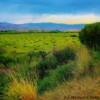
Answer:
(83, 89)
(21, 90)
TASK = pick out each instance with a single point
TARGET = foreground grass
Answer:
(82, 89)
(21, 90)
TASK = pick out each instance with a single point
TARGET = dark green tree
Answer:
(90, 35)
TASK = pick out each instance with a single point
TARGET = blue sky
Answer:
(59, 11)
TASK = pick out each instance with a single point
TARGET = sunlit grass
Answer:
(83, 59)
(36, 41)
(21, 90)
(85, 89)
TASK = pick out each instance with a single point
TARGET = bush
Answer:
(30, 55)
(4, 81)
(52, 61)
(90, 35)
(56, 77)
(5, 60)
(42, 69)
(64, 55)
(42, 54)
(44, 66)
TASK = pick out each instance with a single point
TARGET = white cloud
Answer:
(55, 18)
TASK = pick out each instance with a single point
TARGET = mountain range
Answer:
(40, 26)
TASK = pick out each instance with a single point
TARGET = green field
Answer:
(37, 41)
(35, 63)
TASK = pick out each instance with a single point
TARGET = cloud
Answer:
(54, 18)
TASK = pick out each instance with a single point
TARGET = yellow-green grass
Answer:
(37, 41)
(21, 90)
(82, 89)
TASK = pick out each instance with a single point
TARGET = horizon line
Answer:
(45, 23)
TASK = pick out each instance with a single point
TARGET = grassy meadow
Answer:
(46, 66)
(23, 43)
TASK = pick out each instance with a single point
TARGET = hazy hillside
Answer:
(41, 26)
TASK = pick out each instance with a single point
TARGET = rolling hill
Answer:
(40, 26)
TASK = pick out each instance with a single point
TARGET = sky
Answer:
(55, 11)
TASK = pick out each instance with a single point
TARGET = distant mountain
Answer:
(40, 26)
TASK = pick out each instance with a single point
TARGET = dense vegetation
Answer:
(90, 35)
(32, 64)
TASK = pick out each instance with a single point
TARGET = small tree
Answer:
(90, 35)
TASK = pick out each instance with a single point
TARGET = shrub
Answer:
(52, 61)
(4, 81)
(5, 60)
(44, 66)
(34, 55)
(30, 56)
(57, 76)
(64, 55)
(42, 54)
(90, 35)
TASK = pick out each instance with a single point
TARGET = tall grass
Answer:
(31, 76)
(23, 84)
(83, 60)
(83, 89)
(21, 90)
